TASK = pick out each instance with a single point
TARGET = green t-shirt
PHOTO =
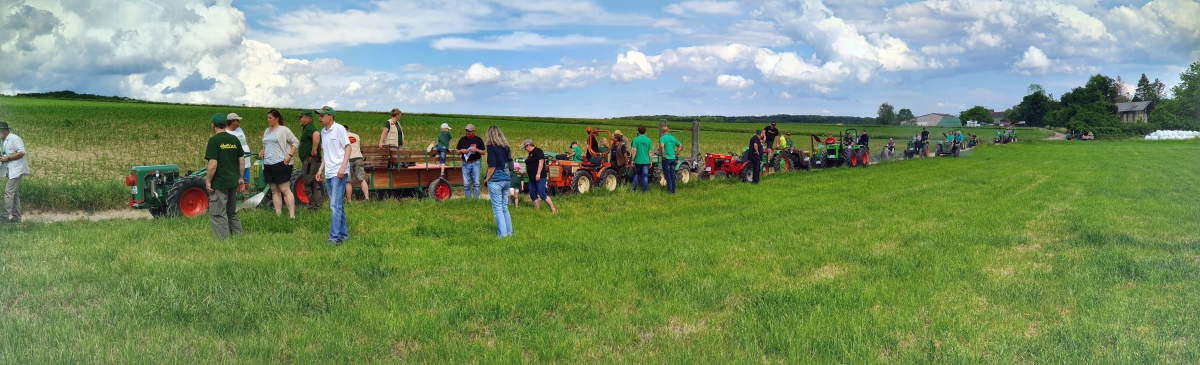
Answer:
(643, 146)
(306, 143)
(578, 154)
(226, 150)
(444, 139)
(669, 143)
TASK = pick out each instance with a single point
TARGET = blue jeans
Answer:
(336, 187)
(471, 179)
(498, 192)
(641, 175)
(442, 154)
(669, 174)
(537, 190)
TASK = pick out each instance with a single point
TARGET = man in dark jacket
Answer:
(754, 156)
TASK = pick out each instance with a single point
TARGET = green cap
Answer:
(304, 113)
(574, 143)
(218, 118)
(326, 110)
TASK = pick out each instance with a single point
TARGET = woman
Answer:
(279, 144)
(499, 159)
(535, 167)
(392, 135)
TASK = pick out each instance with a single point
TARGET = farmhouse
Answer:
(1137, 111)
(929, 120)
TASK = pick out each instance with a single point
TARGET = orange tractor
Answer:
(581, 177)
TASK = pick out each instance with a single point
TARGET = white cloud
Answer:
(748, 32)
(705, 7)
(515, 41)
(785, 95)
(634, 65)
(478, 73)
(733, 82)
(673, 25)
(1034, 61)
(741, 96)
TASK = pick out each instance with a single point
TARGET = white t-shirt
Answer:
(355, 145)
(241, 136)
(333, 143)
(15, 168)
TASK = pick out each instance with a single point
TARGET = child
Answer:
(576, 153)
(516, 184)
(443, 146)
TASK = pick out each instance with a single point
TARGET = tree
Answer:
(1012, 114)
(887, 115)
(1120, 92)
(1103, 85)
(905, 115)
(1034, 107)
(1149, 91)
(978, 114)
(1187, 93)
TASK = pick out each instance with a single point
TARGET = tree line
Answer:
(764, 119)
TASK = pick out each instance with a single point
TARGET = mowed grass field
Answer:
(82, 150)
(1035, 252)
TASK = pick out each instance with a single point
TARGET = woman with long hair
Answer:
(499, 158)
(279, 144)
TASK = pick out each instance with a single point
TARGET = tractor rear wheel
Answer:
(581, 183)
(656, 175)
(684, 174)
(782, 163)
(439, 190)
(298, 191)
(609, 180)
(864, 157)
(720, 175)
(747, 174)
(853, 158)
(188, 198)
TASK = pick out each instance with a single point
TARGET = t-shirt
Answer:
(396, 137)
(15, 168)
(772, 132)
(924, 135)
(643, 146)
(241, 136)
(444, 139)
(465, 142)
(497, 158)
(515, 180)
(226, 149)
(578, 155)
(355, 146)
(531, 163)
(306, 143)
(830, 140)
(864, 139)
(272, 151)
(668, 143)
(333, 143)
(755, 149)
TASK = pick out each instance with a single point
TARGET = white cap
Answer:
(233, 116)
(445, 126)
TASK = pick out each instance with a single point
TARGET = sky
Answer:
(579, 58)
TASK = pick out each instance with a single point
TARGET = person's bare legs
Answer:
(349, 191)
(278, 203)
(537, 205)
(365, 189)
(288, 199)
(551, 204)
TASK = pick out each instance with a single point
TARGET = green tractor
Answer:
(849, 152)
(950, 147)
(165, 192)
(914, 149)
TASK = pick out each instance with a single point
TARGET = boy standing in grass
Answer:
(443, 147)
(13, 166)
(226, 160)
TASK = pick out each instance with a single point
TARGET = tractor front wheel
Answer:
(747, 174)
(188, 198)
(581, 183)
(720, 175)
(609, 180)
(864, 157)
(439, 190)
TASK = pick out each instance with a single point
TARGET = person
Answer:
(916, 137)
(391, 136)
(669, 147)
(498, 179)
(593, 146)
(771, 133)
(849, 139)
(472, 149)
(14, 165)
(539, 173)
(891, 146)
(830, 139)
(619, 157)
(234, 123)
(924, 134)
(754, 155)
(310, 152)
(358, 174)
(279, 144)
(958, 139)
(641, 159)
(602, 149)
(443, 147)
(226, 160)
(335, 145)
(516, 183)
(864, 140)
(576, 153)
(784, 141)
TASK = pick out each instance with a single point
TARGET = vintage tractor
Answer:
(948, 148)
(685, 167)
(1006, 137)
(165, 192)
(914, 149)
(581, 177)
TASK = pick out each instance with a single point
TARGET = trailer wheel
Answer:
(439, 190)
(609, 180)
(581, 183)
(188, 198)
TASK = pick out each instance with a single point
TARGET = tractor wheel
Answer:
(864, 157)
(609, 180)
(439, 190)
(299, 194)
(747, 174)
(853, 158)
(720, 175)
(847, 157)
(656, 175)
(684, 174)
(581, 183)
(822, 162)
(782, 163)
(188, 198)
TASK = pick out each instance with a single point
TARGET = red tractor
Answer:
(723, 166)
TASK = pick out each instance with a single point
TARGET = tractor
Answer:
(581, 177)
(914, 149)
(949, 147)
(684, 166)
(166, 192)
(1006, 137)
(848, 152)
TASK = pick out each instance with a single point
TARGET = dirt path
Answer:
(51, 217)
(1056, 137)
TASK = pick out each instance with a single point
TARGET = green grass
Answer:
(82, 150)
(1038, 252)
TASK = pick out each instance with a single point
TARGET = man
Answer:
(226, 160)
(641, 159)
(535, 165)
(754, 155)
(669, 147)
(357, 172)
(14, 166)
(471, 147)
(392, 135)
(620, 154)
(863, 140)
(924, 141)
(309, 151)
(891, 146)
(234, 123)
(335, 145)
(771, 133)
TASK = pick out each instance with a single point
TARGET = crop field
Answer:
(81, 150)
(1034, 252)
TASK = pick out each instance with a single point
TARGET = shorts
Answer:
(279, 173)
(356, 171)
(442, 154)
(514, 191)
(537, 190)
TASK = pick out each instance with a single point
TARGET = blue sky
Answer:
(591, 58)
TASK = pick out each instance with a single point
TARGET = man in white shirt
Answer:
(14, 166)
(235, 128)
(336, 147)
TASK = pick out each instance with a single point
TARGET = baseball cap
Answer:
(233, 116)
(445, 126)
(218, 118)
(528, 142)
(4, 127)
(326, 110)
(304, 113)
(470, 127)
(617, 133)
(574, 143)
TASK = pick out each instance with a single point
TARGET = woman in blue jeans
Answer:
(498, 160)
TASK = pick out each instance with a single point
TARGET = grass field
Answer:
(1038, 252)
(81, 150)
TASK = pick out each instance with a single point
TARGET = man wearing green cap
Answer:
(310, 153)
(13, 165)
(336, 147)
(225, 163)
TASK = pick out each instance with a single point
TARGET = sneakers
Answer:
(334, 243)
